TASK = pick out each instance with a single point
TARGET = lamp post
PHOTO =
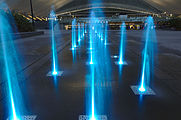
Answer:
(32, 14)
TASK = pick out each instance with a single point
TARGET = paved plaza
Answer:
(65, 98)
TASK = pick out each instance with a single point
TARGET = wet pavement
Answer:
(65, 97)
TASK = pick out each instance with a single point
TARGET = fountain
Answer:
(105, 33)
(74, 44)
(11, 66)
(103, 77)
(91, 33)
(54, 29)
(147, 60)
(122, 46)
(83, 33)
(98, 95)
(83, 30)
(79, 33)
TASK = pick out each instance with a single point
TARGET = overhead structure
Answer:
(81, 8)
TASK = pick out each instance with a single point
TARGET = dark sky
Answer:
(42, 7)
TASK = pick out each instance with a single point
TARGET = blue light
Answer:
(115, 56)
(91, 63)
(83, 29)
(74, 34)
(90, 48)
(142, 89)
(79, 33)
(93, 93)
(53, 24)
(54, 73)
(93, 118)
(74, 54)
(121, 62)
(91, 45)
(105, 33)
(54, 28)
(122, 44)
(148, 54)
(92, 28)
(99, 63)
(11, 64)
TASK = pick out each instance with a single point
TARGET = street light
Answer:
(32, 14)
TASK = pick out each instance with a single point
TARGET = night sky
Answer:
(42, 7)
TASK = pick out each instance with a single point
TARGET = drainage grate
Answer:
(148, 91)
(49, 74)
(114, 56)
(28, 117)
(86, 117)
(125, 63)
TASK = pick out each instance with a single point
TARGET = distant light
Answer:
(120, 62)
(91, 63)
(73, 48)
(115, 56)
(93, 118)
(54, 73)
(142, 89)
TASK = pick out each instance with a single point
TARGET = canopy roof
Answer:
(43, 7)
(136, 6)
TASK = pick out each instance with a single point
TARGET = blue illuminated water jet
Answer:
(91, 80)
(122, 44)
(83, 29)
(79, 33)
(53, 25)
(74, 39)
(148, 54)
(74, 35)
(100, 67)
(11, 64)
(92, 92)
(91, 38)
(105, 33)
